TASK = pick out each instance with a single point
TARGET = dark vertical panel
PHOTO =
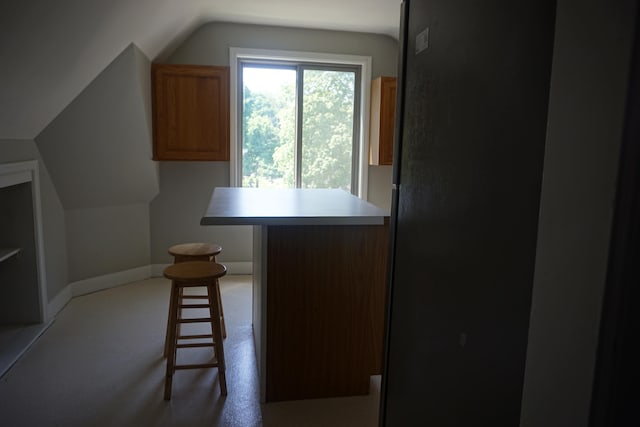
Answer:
(615, 391)
(472, 145)
(19, 286)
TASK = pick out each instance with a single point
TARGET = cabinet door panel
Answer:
(191, 112)
(387, 120)
(383, 110)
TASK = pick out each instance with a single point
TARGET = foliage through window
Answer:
(299, 125)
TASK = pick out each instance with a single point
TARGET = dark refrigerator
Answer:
(473, 90)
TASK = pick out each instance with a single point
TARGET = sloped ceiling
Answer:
(51, 49)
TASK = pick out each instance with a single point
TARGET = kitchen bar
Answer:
(319, 283)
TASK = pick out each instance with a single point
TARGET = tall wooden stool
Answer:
(195, 252)
(190, 274)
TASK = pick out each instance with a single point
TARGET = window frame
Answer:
(236, 55)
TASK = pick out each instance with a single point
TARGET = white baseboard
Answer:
(99, 283)
(157, 269)
(58, 302)
(87, 286)
(243, 267)
(232, 268)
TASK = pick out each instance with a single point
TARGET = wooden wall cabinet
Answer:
(190, 112)
(381, 126)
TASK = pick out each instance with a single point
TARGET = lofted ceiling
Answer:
(50, 50)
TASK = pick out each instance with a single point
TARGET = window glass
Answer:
(299, 125)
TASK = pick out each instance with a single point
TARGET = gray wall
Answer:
(98, 151)
(186, 186)
(53, 218)
(379, 192)
(107, 239)
(588, 87)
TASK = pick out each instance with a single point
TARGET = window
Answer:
(299, 126)
(298, 120)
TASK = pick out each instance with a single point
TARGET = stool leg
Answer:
(167, 338)
(171, 338)
(214, 310)
(222, 325)
(179, 314)
(166, 335)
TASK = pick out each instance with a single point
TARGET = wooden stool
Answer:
(190, 274)
(195, 252)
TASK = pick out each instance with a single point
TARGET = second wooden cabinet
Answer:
(190, 112)
(383, 111)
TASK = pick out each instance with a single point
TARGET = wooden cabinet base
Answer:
(325, 300)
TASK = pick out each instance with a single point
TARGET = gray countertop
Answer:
(293, 206)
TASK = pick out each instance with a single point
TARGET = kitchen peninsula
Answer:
(319, 284)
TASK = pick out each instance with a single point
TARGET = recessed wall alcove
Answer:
(23, 295)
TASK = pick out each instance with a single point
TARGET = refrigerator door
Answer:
(473, 92)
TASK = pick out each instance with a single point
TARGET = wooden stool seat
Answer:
(194, 274)
(194, 252)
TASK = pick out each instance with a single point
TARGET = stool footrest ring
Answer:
(194, 306)
(195, 320)
(195, 345)
(200, 366)
(194, 337)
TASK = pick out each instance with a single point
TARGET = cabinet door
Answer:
(383, 110)
(190, 112)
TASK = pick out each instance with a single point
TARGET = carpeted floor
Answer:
(100, 364)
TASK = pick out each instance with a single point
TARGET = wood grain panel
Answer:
(382, 124)
(325, 316)
(190, 112)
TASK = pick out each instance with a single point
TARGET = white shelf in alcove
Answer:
(6, 253)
